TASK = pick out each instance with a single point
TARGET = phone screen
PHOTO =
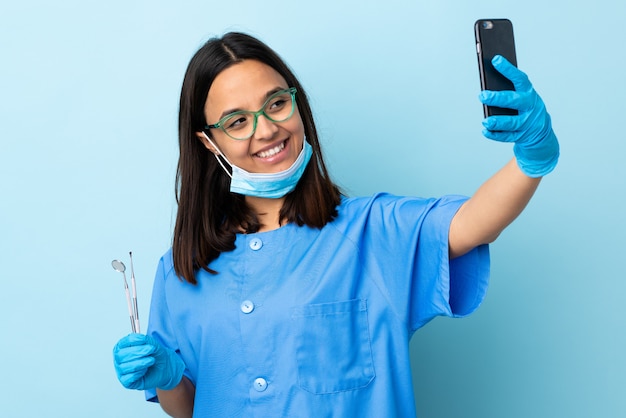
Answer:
(494, 37)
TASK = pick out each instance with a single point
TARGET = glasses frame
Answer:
(220, 124)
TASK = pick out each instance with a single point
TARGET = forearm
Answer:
(178, 402)
(492, 208)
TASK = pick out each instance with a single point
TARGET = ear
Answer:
(207, 144)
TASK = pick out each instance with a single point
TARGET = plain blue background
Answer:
(89, 97)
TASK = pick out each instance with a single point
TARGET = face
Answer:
(274, 146)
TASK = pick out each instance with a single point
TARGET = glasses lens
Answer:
(239, 125)
(279, 107)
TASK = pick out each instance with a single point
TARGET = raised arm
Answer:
(503, 197)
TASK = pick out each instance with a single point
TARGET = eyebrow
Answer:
(267, 96)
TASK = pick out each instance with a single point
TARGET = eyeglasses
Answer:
(242, 124)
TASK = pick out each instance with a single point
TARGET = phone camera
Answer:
(487, 24)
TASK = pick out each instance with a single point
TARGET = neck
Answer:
(267, 210)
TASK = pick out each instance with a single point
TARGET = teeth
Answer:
(272, 152)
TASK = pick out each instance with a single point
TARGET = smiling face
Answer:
(247, 85)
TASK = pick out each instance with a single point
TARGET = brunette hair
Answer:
(209, 215)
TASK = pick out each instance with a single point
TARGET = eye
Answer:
(236, 122)
(278, 103)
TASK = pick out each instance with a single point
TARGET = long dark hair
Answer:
(209, 215)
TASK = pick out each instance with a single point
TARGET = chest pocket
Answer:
(333, 349)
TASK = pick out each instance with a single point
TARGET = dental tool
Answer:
(134, 290)
(119, 266)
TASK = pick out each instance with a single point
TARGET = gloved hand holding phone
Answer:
(141, 362)
(536, 146)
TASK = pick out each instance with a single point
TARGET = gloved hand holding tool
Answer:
(141, 362)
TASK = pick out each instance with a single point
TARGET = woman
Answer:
(280, 297)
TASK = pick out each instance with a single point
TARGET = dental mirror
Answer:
(118, 266)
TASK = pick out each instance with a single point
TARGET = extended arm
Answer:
(492, 208)
(503, 197)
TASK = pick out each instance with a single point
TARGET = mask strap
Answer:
(217, 156)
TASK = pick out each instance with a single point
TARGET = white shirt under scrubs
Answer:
(306, 322)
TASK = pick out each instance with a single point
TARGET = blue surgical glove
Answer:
(142, 363)
(536, 147)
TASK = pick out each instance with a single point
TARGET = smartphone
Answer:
(494, 37)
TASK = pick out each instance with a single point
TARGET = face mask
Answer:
(268, 185)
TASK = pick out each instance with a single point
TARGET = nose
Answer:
(265, 128)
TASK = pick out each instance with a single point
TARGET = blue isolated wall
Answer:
(88, 115)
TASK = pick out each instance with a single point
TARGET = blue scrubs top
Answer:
(307, 322)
